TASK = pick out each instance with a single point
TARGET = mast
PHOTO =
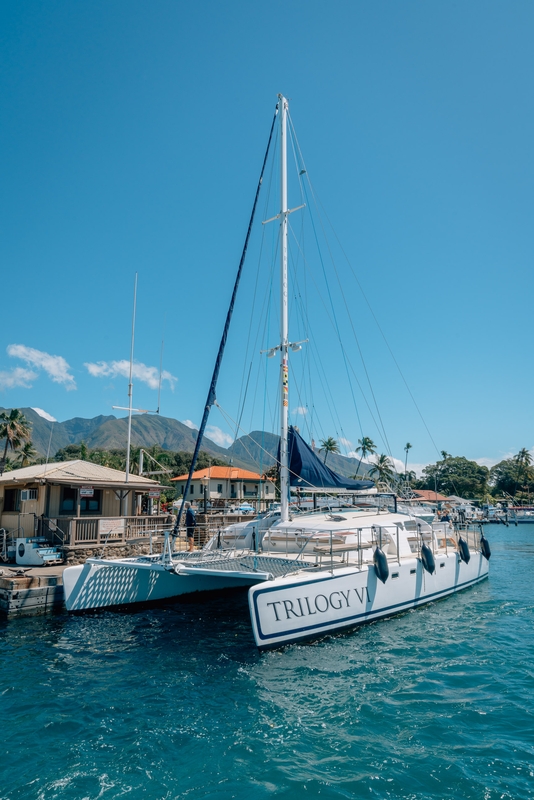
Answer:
(284, 344)
(130, 385)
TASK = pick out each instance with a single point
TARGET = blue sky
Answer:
(132, 135)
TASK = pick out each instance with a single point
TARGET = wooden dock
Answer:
(28, 592)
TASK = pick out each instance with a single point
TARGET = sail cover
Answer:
(308, 471)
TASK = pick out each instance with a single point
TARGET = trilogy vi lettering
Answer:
(320, 604)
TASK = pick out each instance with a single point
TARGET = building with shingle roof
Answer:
(50, 497)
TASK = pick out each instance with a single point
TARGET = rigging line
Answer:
(211, 393)
(332, 317)
(240, 415)
(166, 469)
(381, 332)
(303, 186)
(295, 141)
(327, 312)
(228, 419)
(351, 323)
(242, 399)
(265, 313)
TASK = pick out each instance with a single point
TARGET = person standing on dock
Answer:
(190, 524)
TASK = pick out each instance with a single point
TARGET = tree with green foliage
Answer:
(26, 455)
(15, 429)
(456, 475)
(366, 447)
(328, 445)
(384, 469)
(513, 476)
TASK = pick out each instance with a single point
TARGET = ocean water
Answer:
(176, 702)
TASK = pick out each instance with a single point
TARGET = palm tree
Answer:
(15, 429)
(328, 445)
(366, 447)
(27, 454)
(524, 461)
(383, 469)
(407, 447)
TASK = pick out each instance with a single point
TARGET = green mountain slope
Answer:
(255, 451)
(262, 448)
(71, 431)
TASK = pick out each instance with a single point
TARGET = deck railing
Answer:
(94, 531)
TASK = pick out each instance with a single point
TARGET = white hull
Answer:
(303, 606)
(101, 584)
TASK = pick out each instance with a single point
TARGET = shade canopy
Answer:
(307, 471)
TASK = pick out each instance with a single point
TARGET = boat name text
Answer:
(320, 604)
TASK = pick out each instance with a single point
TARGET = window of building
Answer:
(12, 500)
(68, 500)
(191, 489)
(219, 488)
(92, 506)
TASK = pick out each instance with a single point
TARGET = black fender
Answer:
(485, 548)
(427, 559)
(463, 549)
(381, 565)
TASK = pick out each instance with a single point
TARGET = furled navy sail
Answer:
(308, 471)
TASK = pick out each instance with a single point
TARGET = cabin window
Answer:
(12, 500)
(394, 574)
(92, 506)
(442, 564)
(68, 500)
(412, 572)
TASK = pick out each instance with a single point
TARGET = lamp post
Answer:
(205, 484)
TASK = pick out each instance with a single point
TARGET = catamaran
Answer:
(309, 574)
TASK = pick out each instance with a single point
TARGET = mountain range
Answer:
(255, 451)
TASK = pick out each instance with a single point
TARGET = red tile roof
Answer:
(430, 495)
(231, 473)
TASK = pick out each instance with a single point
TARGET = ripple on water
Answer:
(176, 702)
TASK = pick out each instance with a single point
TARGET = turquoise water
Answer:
(176, 702)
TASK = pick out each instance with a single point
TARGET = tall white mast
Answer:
(130, 385)
(284, 344)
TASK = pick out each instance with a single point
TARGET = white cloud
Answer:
(300, 410)
(218, 436)
(345, 442)
(17, 377)
(190, 424)
(44, 414)
(417, 468)
(140, 372)
(55, 366)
